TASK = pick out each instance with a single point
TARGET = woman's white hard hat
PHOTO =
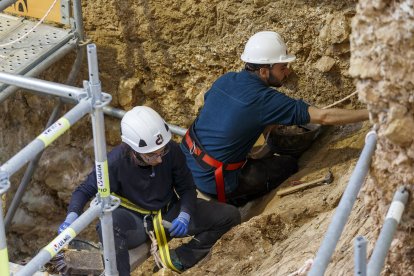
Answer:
(144, 130)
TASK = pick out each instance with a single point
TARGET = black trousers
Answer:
(208, 223)
(260, 176)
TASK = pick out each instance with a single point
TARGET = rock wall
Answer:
(382, 60)
(165, 54)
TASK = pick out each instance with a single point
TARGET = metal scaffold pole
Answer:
(50, 250)
(6, 3)
(4, 257)
(101, 162)
(393, 218)
(360, 256)
(29, 152)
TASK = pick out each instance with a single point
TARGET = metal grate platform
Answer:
(23, 55)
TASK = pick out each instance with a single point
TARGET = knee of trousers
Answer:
(120, 238)
(232, 215)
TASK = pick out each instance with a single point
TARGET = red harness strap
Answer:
(218, 165)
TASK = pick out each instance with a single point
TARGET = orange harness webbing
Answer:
(218, 165)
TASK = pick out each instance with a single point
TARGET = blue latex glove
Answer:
(71, 217)
(179, 226)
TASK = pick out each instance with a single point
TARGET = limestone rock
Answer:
(22, 221)
(364, 69)
(336, 29)
(126, 91)
(325, 64)
(401, 131)
(37, 201)
(112, 131)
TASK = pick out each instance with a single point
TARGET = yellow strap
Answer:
(4, 262)
(158, 228)
(132, 206)
(162, 242)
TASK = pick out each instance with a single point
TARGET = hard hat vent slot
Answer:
(142, 143)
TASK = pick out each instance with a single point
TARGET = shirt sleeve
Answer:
(281, 109)
(183, 181)
(83, 193)
(88, 188)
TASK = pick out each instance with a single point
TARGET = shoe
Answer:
(176, 261)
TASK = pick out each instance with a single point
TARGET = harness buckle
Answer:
(192, 149)
(146, 224)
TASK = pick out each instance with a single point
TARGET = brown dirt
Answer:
(165, 54)
(280, 233)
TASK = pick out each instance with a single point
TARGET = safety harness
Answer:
(203, 159)
(163, 259)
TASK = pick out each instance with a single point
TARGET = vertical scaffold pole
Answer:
(101, 163)
(360, 256)
(393, 218)
(4, 257)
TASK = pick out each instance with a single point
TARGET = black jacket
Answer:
(135, 183)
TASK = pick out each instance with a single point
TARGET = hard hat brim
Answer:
(288, 58)
(284, 59)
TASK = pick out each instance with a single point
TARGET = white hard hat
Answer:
(144, 130)
(266, 48)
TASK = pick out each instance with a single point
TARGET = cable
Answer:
(340, 101)
(32, 29)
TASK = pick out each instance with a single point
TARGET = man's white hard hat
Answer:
(266, 48)
(144, 130)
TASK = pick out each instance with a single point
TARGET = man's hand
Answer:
(70, 218)
(179, 227)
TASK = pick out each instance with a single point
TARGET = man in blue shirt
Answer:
(237, 109)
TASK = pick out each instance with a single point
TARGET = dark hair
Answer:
(253, 66)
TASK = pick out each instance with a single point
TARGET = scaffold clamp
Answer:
(4, 182)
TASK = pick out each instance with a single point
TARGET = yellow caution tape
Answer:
(54, 131)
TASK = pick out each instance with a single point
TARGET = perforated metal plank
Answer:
(23, 55)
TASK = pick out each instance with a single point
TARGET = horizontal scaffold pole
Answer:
(119, 113)
(46, 63)
(51, 133)
(49, 251)
(50, 88)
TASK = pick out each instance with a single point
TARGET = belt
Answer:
(158, 227)
(201, 155)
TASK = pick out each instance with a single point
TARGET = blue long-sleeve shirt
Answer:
(237, 109)
(136, 183)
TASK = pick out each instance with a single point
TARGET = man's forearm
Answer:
(337, 116)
